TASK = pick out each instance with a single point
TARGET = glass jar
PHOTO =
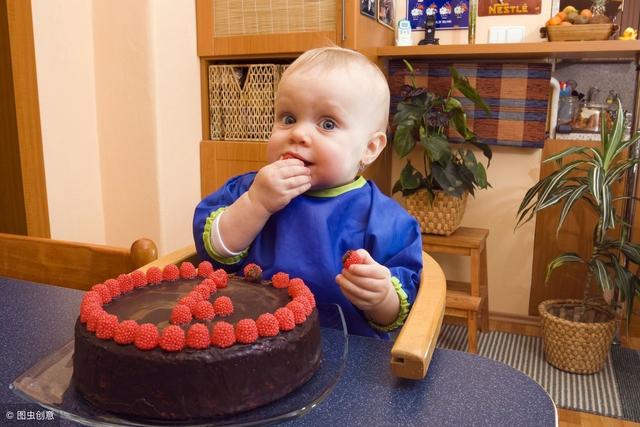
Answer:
(568, 107)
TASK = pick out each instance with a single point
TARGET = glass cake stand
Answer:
(47, 383)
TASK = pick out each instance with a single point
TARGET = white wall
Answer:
(120, 109)
(66, 85)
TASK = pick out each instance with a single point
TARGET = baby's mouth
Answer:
(295, 156)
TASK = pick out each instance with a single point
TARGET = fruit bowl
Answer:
(581, 32)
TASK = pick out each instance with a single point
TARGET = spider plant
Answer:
(589, 176)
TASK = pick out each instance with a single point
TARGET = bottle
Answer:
(473, 17)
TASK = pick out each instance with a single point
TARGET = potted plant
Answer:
(437, 196)
(577, 334)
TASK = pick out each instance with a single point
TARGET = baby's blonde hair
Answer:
(334, 57)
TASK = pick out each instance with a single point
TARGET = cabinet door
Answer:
(233, 28)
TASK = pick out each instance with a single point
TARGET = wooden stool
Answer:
(471, 242)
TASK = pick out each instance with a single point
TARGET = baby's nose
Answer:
(301, 133)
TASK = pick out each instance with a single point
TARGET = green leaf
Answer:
(615, 137)
(566, 152)
(600, 271)
(438, 148)
(448, 179)
(461, 83)
(486, 150)
(560, 261)
(575, 195)
(451, 104)
(403, 140)
(410, 177)
(459, 120)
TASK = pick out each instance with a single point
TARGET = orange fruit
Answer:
(586, 12)
(561, 15)
(565, 23)
(554, 21)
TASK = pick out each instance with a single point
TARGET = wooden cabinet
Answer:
(284, 28)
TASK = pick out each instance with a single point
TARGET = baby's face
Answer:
(322, 120)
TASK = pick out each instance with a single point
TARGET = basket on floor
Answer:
(572, 346)
(440, 216)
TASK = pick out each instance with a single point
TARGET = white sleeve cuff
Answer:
(216, 240)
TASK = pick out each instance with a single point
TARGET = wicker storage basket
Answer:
(442, 216)
(247, 17)
(577, 347)
(557, 33)
(242, 100)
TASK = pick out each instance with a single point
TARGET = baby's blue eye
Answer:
(288, 120)
(328, 124)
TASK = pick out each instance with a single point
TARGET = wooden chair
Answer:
(413, 348)
(69, 264)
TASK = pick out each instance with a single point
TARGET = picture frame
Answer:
(369, 8)
(386, 13)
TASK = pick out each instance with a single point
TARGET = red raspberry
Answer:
(223, 306)
(94, 319)
(105, 293)
(286, 319)
(180, 314)
(114, 287)
(246, 331)
(172, 339)
(154, 275)
(91, 296)
(187, 270)
(189, 302)
(195, 295)
(305, 304)
(298, 311)
(312, 299)
(204, 311)
(139, 279)
(146, 337)
(351, 257)
(223, 335)
(267, 325)
(296, 288)
(209, 283)
(280, 280)
(107, 326)
(203, 290)
(205, 269)
(126, 332)
(170, 272)
(198, 336)
(252, 272)
(125, 282)
(87, 311)
(220, 278)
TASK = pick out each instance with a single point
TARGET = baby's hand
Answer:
(367, 284)
(278, 183)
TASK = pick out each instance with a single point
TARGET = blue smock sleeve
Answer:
(210, 207)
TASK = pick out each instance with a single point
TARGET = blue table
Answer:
(460, 388)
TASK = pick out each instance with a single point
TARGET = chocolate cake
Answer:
(184, 344)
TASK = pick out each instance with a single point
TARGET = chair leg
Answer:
(472, 332)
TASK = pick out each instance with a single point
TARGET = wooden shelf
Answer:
(600, 49)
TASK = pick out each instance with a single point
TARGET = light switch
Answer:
(514, 34)
(497, 34)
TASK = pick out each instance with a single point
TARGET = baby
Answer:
(309, 205)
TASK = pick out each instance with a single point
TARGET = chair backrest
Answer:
(414, 346)
(69, 264)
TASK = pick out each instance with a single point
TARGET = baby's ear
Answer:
(374, 147)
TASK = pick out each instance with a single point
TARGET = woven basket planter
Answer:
(577, 347)
(440, 216)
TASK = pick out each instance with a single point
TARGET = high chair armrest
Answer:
(413, 348)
